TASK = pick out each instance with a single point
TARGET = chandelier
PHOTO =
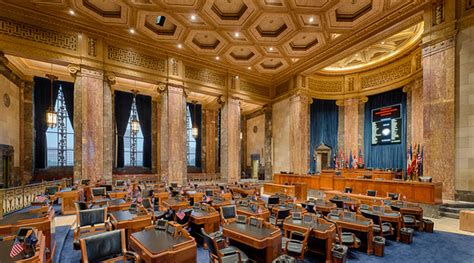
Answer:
(51, 115)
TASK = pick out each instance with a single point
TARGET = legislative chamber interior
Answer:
(228, 131)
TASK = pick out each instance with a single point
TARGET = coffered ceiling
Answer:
(270, 38)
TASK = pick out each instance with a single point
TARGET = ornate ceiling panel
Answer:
(386, 49)
(268, 35)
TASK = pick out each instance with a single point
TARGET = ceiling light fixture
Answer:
(311, 19)
(71, 12)
(249, 67)
(180, 46)
(193, 17)
(271, 49)
(237, 34)
(132, 31)
(217, 58)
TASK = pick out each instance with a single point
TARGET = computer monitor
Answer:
(241, 219)
(85, 181)
(108, 187)
(307, 218)
(296, 216)
(228, 211)
(161, 224)
(254, 222)
(120, 183)
(171, 229)
(209, 192)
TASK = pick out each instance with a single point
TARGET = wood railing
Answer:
(17, 198)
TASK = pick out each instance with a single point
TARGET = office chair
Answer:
(348, 190)
(393, 196)
(228, 254)
(98, 194)
(228, 213)
(90, 222)
(371, 192)
(279, 218)
(296, 244)
(109, 246)
(380, 228)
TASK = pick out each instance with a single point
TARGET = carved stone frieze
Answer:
(329, 86)
(37, 34)
(386, 76)
(91, 47)
(134, 58)
(254, 88)
(204, 75)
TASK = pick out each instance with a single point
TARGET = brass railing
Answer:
(16, 198)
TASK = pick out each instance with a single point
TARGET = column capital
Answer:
(363, 100)
(73, 69)
(110, 78)
(221, 99)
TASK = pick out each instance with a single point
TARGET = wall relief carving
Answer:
(134, 58)
(254, 88)
(386, 76)
(330, 86)
(204, 75)
(37, 34)
(282, 88)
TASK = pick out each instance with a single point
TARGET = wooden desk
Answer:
(409, 209)
(323, 231)
(209, 220)
(242, 191)
(427, 193)
(68, 198)
(117, 205)
(160, 197)
(129, 221)
(243, 210)
(34, 218)
(361, 224)
(175, 204)
(217, 204)
(117, 194)
(295, 208)
(362, 198)
(322, 206)
(260, 244)
(388, 216)
(158, 246)
(7, 244)
(271, 189)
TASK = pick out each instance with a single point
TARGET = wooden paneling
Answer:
(298, 190)
(427, 193)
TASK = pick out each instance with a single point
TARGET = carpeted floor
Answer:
(426, 247)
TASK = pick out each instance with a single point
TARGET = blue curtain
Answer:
(323, 128)
(390, 155)
(144, 117)
(197, 122)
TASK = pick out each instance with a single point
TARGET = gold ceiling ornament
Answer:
(340, 103)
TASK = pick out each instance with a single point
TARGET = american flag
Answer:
(180, 215)
(16, 249)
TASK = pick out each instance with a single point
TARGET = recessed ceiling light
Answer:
(180, 46)
(382, 43)
(217, 58)
(271, 48)
(236, 34)
(249, 67)
(236, 77)
(193, 17)
(132, 31)
(71, 12)
(311, 19)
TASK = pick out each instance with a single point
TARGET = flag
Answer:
(413, 159)
(352, 207)
(180, 215)
(421, 165)
(208, 199)
(409, 162)
(40, 199)
(350, 159)
(16, 248)
(355, 161)
(361, 158)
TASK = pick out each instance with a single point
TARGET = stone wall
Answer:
(464, 165)
(10, 117)
(281, 136)
(255, 138)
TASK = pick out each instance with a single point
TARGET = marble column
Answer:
(268, 142)
(416, 111)
(210, 140)
(299, 134)
(173, 135)
(155, 133)
(92, 120)
(27, 133)
(230, 140)
(438, 113)
(351, 125)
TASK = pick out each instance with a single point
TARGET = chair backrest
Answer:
(147, 193)
(283, 213)
(103, 246)
(375, 218)
(310, 208)
(91, 217)
(348, 190)
(273, 200)
(108, 187)
(339, 203)
(51, 190)
(99, 191)
(371, 192)
(228, 211)
(174, 185)
(80, 205)
(120, 183)
(146, 202)
(211, 244)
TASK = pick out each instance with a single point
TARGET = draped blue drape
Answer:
(390, 155)
(198, 123)
(323, 128)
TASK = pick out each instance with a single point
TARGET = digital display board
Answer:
(387, 125)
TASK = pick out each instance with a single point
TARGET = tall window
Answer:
(191, 141)
(133, 142)
(60, 140)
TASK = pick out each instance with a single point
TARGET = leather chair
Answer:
(184, 222)
(228, 213)
(51, 191)
(348, 239)
(98, 194)
(410, 221)
(371, 192)
(339, 202)
(81, 205)
(109, 246)
(297, 244)
(380, 228)
(279, 218)
(310, 208)
(90, 222)
(227, 254)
